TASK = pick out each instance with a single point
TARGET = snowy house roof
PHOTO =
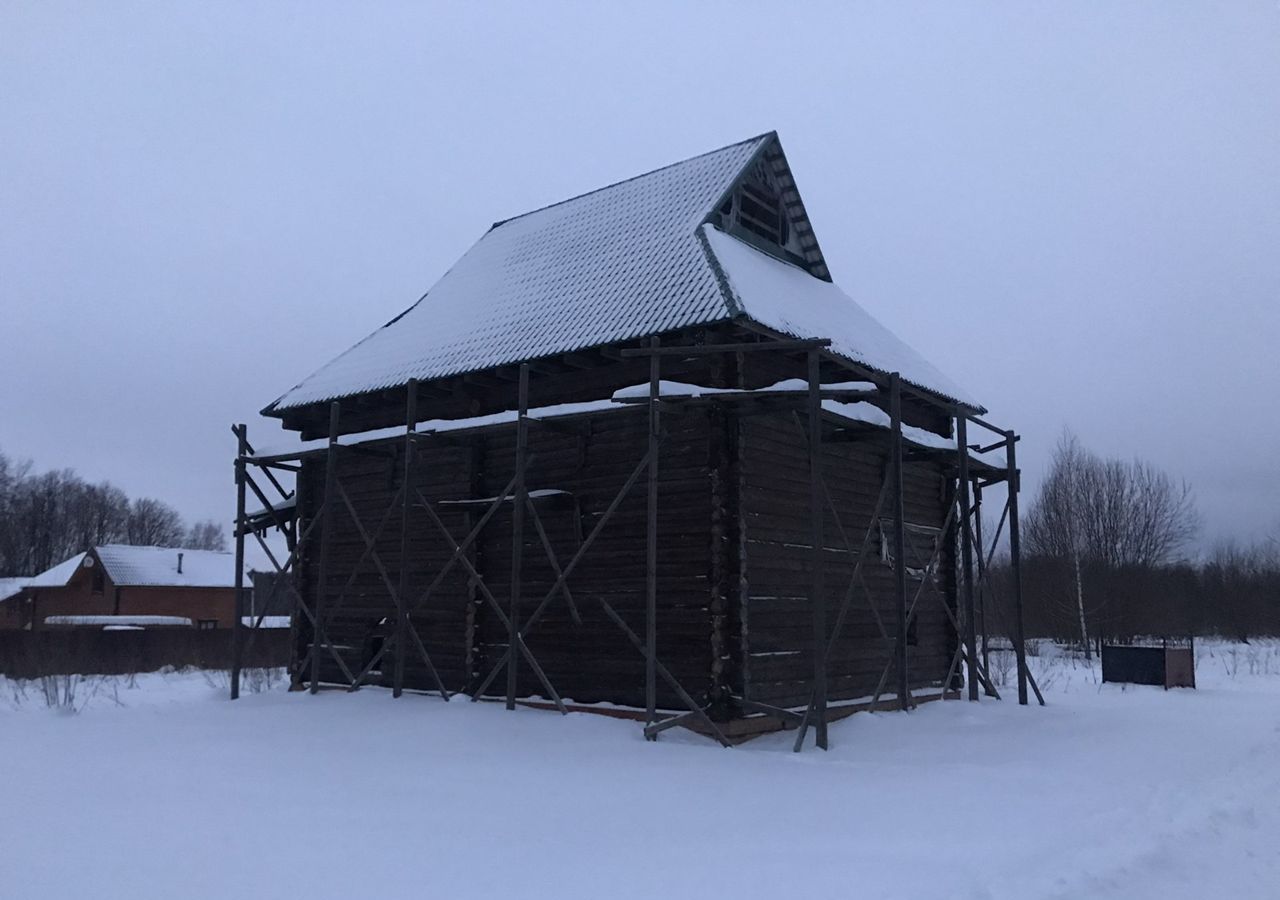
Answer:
(57, 576)
(158, 566)
(136, 566)
(637, 258)
(11, 586)
(786, 298)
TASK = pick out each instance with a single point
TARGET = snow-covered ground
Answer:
(165, 789)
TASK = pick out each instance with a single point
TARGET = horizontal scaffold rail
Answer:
(823, 412)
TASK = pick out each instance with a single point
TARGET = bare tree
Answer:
(12, 474)
(1135, 515)
(1271, 548)
(48, 517)
(206, 535)
(154, 523)
(1107, 515)
(44, 519)
(1228, 574)
(34, 517)
(100, 515)
(1057, 523)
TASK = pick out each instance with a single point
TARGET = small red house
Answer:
(147, 585)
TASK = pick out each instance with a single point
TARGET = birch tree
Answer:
(1108, 514)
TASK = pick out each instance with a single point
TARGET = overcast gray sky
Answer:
(1074, 210)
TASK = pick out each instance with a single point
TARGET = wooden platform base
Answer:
(739, 731)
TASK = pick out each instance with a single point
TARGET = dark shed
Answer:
(644, 431)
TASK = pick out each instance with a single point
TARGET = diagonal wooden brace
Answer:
(694, 709)
(568, 569)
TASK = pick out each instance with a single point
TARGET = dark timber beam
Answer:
(651, 546)
(966, 558)
(1015, 565)
(582, 360)
(561, 578)
(899, 537)
(406, 501)
(237, 636)
(266, 469)
(982, 574)
(326, 538)
(709, 349)
(987, 425)
(520, 498)
(817, 598)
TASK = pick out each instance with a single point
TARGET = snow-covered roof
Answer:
(119, 622)
(141, 566)
(622, 262)
(11, 586)
(614, 264)
(58, 576)
(146, 566)
(786, 298)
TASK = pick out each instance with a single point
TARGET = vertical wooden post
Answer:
(296, 572)
(817, 597)
(518, 499)
(983, 588)
(1015, 563)
(966, 558)
(406, 504)
(237, 636)
(899, 537)
(327, 507)
(651, 547)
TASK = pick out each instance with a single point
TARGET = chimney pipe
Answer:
(179, 563)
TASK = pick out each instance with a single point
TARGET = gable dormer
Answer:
(764, 209)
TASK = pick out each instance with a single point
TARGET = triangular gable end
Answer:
(763, 207)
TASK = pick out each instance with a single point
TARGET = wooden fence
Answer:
(31, 654)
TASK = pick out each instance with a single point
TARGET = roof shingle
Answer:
(617, 263)
(621, 262)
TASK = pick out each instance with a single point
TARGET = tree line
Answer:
(1108, 553)
(50, 516)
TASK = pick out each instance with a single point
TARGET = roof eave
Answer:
(874, 374)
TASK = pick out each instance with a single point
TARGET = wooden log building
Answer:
(642, 443)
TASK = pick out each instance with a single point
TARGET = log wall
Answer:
(774, 654)
(733, 563)
(589, 662)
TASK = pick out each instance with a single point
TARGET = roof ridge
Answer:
(758, 137)
(159, 547)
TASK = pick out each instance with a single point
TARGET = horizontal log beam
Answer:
(707, 349)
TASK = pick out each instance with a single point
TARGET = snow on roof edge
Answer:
(680, 162)
(671, 287)
(427, 426)
(120, 620)
(626, 397)
(273, 411)
(748, 286)
(56, 576)
(765, 288)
